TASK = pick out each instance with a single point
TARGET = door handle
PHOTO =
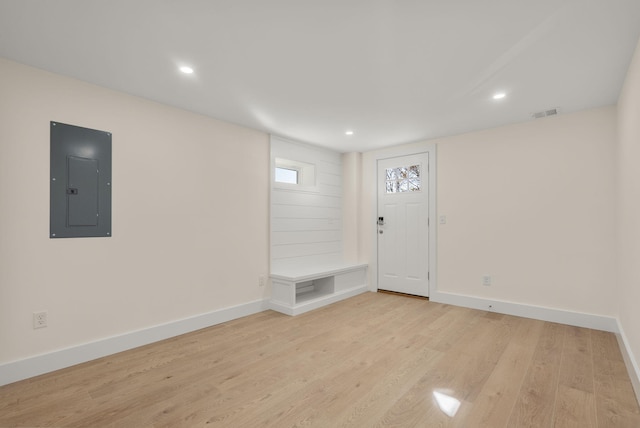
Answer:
(380, 221)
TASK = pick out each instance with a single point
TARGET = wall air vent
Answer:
(545, 113)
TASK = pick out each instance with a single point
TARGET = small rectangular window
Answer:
(293, 175)
(286, 175)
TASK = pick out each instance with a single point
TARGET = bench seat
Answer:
(298, 289)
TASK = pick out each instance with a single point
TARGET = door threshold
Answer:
(396, 293)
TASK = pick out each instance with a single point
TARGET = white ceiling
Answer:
(391, 71)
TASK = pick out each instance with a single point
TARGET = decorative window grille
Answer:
(403, 179)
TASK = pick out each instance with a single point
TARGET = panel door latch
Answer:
(72, 191)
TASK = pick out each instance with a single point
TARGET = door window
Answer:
(403, 179)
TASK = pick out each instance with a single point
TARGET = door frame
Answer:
(372, 227)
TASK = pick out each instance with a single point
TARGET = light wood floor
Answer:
(373, 360)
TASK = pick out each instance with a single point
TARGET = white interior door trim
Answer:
(372, 228)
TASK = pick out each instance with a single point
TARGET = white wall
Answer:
(532, 205)
(306, 224)
(628, 183)
(190, 216)
(529, 204)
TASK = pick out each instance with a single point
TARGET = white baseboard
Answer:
(596, 322)
(40, 364)
(45, 363)
(578, 319)
(630, 361)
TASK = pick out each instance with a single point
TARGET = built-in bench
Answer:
(303, 288)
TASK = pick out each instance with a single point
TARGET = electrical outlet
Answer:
(39, 319)
(262, 280)
(486, 280)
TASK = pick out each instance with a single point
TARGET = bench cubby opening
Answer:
(301, 289)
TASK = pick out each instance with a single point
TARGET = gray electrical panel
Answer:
(80, 196)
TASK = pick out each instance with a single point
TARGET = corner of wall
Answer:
(351, 189)
(627, 224)
(629, 360)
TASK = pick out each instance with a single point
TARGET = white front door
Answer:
(403, 224)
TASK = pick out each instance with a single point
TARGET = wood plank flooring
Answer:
(375, 360)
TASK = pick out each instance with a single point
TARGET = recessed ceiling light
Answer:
(186, 70)
(499, 96)
(348, 132)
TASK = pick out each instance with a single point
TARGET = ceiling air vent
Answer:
(545, 113)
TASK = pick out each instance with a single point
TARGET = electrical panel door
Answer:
(80, 204)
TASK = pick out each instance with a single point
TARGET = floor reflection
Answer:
(448, 404)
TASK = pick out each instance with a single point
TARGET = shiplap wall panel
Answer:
(311, 249)
(330, 190)
(298, 211)
(302, 237)
(306, 225)
(291, 198)
(332, 166)
(331, 179)
(302, 224)
(304, 152)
